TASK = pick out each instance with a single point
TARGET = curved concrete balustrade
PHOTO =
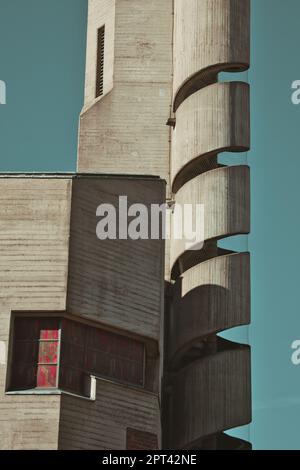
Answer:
(210, 297)
(225, 196)
(210, 36)
(209, 396)
(213, 120)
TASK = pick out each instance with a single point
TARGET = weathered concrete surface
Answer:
(124, 131)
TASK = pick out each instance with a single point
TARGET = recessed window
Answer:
(60, 353)
(100, 61)
(87, 350)
(35, 353)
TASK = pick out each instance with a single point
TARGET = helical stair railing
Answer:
(207, 380)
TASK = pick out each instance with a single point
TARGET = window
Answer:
(35, 353)
(100, 61)
(92, 351)
(58, 352)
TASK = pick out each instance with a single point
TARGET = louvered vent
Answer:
(100, 61)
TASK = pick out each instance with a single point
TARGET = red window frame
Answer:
(35, 358)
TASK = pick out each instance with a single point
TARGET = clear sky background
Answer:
(42, 56)
(275, 220)
(274, 241)
(42, 59)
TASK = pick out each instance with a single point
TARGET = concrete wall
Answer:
(125, 131)
(53, 262)
(50, 256)
(100, 12)
(101, 425)
(34, 244)
(116, 282)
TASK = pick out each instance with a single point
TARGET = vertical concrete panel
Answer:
(100, 12)
(34, 242)
(124, 131)
(34, 245)
(117, 282)
(102, 425)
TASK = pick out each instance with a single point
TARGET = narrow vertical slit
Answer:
(100, 61)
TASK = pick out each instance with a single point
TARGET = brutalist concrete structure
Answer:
(112, 344)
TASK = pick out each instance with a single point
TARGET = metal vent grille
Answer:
(100, 61)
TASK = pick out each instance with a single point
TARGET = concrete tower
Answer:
(111, 344)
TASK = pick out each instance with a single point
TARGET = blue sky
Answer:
(42, 59)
